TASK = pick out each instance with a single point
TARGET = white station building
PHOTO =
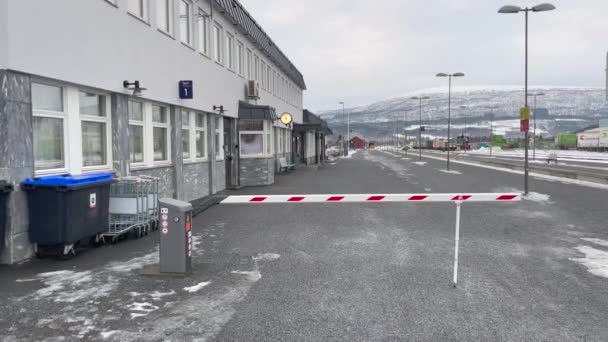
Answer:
(185, 90)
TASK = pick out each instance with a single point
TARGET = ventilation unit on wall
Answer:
(253, 89)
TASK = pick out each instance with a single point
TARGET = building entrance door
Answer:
(231, 152)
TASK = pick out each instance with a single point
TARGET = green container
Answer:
(566, 140)
(498, 140)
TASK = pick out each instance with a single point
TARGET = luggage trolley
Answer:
(133, 207)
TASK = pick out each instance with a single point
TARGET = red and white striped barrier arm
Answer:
(373, 198)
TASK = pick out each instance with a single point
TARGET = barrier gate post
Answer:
(175, 236)
(457, 199)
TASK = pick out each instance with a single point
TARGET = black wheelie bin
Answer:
(65, 210)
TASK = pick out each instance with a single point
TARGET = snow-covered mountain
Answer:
(567, 109)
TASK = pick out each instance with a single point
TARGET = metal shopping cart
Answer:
(133, 207)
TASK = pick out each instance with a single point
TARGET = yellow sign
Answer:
(524, 113)
(286, 118)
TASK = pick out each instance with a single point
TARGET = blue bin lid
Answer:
(69, 180)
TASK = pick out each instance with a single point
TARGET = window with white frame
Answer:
(239, 58)
(138, 8)
(268, 78)
(217, 43)
(219, 138)
(255, 138)
(136, 132)
(49, 127)
(95, 121)
(185, 22)
(288, 139)
(256, 68)
(274, 82)
(230, 51)
(202, 27)
(248, 65)
(263, 74)
(164, 15)
(280, 139)
(200, 138)
(186, 116)
(160, 133)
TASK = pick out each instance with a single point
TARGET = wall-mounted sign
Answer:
(286, 119)
(185, 90)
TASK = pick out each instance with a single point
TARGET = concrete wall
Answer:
(166, 175)
(16, 160)
(110, 45)
(257, 171)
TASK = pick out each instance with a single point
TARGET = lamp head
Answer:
(441, 74)
(509, 9)
(458, 74)
(543, 8)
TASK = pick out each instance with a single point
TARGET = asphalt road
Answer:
(342, 272)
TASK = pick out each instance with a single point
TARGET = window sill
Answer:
(165, 33)
(188, 45)
(206, 55)
(197, 161)
(139, 18)
(50, 172)
(101, 168)
(149, 167)
(219, 63)
(257, 157)
(109, 2)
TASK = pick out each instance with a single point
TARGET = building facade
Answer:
(310, 139)
(184, 90)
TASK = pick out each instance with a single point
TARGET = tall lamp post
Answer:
(535, 95)
(449, 76)
(348, 143)
(512, 10)
(420, 99)
(492, 109)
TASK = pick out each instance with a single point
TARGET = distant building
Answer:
(357, 141)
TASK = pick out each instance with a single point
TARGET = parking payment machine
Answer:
(175, 224)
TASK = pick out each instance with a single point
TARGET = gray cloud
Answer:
(360, 51)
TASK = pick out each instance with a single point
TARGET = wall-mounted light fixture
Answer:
(137, 90)
(219, 109)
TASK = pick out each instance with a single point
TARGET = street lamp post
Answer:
(516, 9)
(420, 99)
(449, 76)
(492, 108)
(348, 142)
(535, 95)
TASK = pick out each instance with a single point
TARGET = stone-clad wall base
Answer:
(167, 188)
(257, 171)
(16, 161)
(220, 175)
(196, 181)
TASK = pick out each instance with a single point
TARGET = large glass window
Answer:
(217, 43)
(139, 8)
(202, 26)
(239, 58)
(48, 127)
(136, 132)
(160, 133)
(185, 20)
(219, 138)
(185, 134)
(230, 50)
(255, 138)
(164, 15)
(248, 65)
(94, 129)
(263, 75)
(201, 137)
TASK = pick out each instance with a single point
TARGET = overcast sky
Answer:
(361, 51)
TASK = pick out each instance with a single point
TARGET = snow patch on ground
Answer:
(595, 260)
(107, 334)
(255, 274)
(454, 172)
(141, 309)
(537, 197)
(197, 287)
(421, 163)
(599, 242)
(135, 263)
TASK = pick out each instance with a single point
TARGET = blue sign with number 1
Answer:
(185, 90)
